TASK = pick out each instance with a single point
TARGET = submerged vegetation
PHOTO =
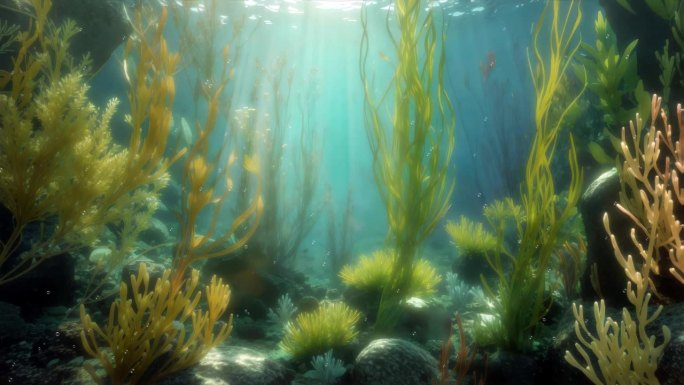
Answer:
(331, 326)
(519, 288)
(145, 341)
(241, 171)
(411, 147)
(59, 168)
(471, 238)
(372, 274)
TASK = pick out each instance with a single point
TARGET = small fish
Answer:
(383, 56)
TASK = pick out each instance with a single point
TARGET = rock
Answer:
(256, 285)
(233, 365)
(671, 366)
(423, 320)
(506, 368)
(102, 23)
(99, 255)
(155, 270)
(600, 197)
(51, 283)
(62, 343)
(307, 303)
(12, 326)
(248, 329)
(394, 361)
(470, 267)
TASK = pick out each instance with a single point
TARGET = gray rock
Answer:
(102, 22)
(671, 365)
(12, 325)
(394, 361)
(600, 197)
(508, 368)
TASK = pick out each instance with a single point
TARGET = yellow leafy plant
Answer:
(181, 335)
(374, 272)
(330, 326)
(147, 332)
(59, 169)
(471, 238)
(519, 290)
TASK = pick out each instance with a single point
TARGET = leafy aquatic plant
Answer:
(520, 291)
(412, 146)
(374, 273)
(471, 238)
(60, 170)
(326, 369)
(614, 82)
(146, 329)
(330, 326)
(281, 316)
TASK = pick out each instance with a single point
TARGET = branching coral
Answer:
(625, 353)
(330, 326)
(650, 184)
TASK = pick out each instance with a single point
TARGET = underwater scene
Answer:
(349, 192)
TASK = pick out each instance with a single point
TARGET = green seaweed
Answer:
(612, 78)
(520, 294)
(412, 146)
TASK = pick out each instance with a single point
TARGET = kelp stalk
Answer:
(412, 147)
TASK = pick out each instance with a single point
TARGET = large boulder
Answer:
(600, 197)
(394, 361)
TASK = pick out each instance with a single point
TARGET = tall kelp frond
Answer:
(206, 180)
(412, 146)
(521, 277)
